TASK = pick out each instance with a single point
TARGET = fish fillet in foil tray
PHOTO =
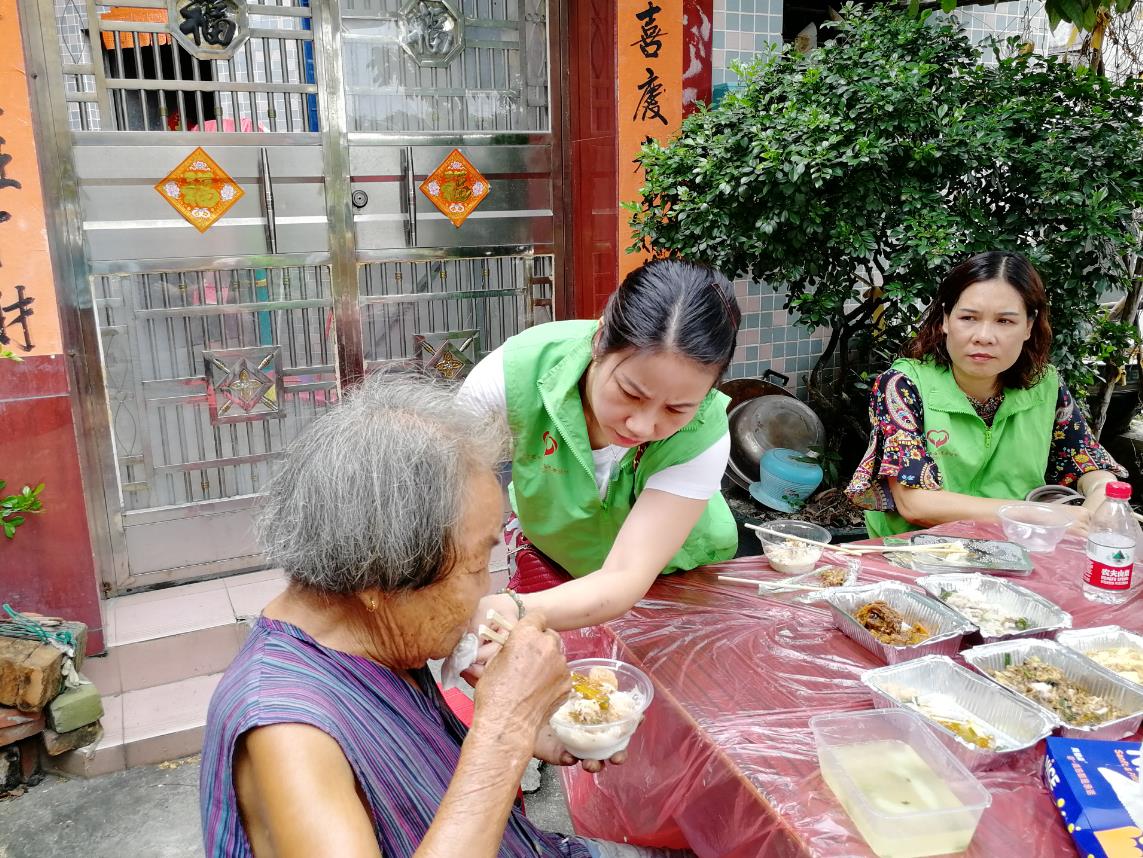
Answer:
(1112, 647)
(1090, 701)
(999, 609)
(989, 556)
(941, 627)
(983, 724)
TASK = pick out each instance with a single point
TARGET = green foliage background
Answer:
(853, 178)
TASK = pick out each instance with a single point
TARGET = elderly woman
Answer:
(327, 735)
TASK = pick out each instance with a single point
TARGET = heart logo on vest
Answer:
(550, 445)
(937, 437)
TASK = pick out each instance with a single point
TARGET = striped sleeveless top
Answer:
(402, 744)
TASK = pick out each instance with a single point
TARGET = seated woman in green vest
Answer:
(620, 442)
(973, 416)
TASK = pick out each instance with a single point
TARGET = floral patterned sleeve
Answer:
(896, 445)
(1074, 451)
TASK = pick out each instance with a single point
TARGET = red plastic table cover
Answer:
(725, 760)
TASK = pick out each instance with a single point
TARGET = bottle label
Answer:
(1109, 567)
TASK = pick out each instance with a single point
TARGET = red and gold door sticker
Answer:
(456, 188)
(200, 190)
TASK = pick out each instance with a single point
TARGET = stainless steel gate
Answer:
(211, 350)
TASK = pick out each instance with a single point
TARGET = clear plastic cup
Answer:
(601, 741)
(1034, 526)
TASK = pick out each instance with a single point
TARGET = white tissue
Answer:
(460, 660)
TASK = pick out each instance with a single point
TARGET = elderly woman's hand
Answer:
(551, 750)
(526, 680)
(505, 606)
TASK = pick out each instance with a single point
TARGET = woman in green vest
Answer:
(620, 442)
(973, 416)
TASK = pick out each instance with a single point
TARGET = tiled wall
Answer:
(742, 28)
(769, 337)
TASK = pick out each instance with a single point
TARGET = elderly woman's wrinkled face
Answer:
(452, 601)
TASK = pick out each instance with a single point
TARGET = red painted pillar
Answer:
(594, 131)
(48, 566)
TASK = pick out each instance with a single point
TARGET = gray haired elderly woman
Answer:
(327, 735)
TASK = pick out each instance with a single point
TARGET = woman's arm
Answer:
(1091, 485)
(299, 797)
(928, 507)
(656, 528)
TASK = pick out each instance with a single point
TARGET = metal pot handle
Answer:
(773, 372)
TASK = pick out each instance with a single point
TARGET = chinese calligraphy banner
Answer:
(29, 323)
(650, 94)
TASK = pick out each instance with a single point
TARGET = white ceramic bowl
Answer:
(601, 741)
(791, 557)
(1035, 526)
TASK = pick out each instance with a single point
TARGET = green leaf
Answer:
(948, 5)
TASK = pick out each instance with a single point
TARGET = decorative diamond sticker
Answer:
(456, 188)
(244, 384)
(445, 354)
(200, 190)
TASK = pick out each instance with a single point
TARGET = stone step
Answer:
(167, 650)
(144, 727)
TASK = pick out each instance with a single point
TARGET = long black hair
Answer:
(669, 305)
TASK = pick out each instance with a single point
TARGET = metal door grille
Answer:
(498, 81)
(130, 75)
(483, 300)
(154, 330)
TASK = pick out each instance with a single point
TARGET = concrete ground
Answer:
(152, 812)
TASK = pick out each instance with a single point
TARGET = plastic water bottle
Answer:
(1111, 542)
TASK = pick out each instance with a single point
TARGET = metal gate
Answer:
(328, 131)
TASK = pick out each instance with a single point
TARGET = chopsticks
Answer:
(804, 539)
(781, 586)
(488, 633)
(935, 548)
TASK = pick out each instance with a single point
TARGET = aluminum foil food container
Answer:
(1084, 641)
(989, 556)
(1044, 617)
(1016, 724)
(947, 627)
(1121, 694)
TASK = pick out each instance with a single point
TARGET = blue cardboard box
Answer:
(1097, 790)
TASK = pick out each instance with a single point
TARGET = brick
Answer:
(58, 743)
(16, 725)
(75, 708)
(31, 674)
(78, 630)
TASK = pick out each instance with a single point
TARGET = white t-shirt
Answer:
(486, 390)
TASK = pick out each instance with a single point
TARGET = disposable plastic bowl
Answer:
(906, 793)
(791, 557)
(601, 741)
(1034, 526)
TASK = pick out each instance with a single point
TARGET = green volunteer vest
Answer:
(1007, 460)
(553, 489)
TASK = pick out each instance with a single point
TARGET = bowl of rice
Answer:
(788, 555)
